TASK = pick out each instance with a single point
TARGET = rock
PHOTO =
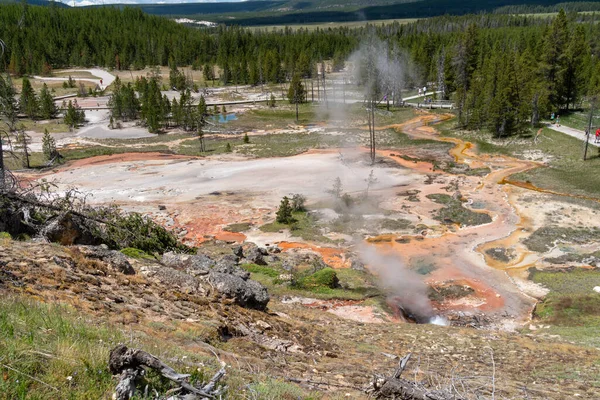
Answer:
(357, 265)
(596, 289)
(228, 266)
(313, 260)
(69, 230)
(199, 264)
(194, 265)
(256, 256)
(263, 325)
(162, 207)
(247, 293)
(238, 251)
(174, 260)
(171, 279)
(115, 259)
(275, 250)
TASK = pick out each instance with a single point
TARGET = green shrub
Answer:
(136, 253)
(5, 235)
(323, 278)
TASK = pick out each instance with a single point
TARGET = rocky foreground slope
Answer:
(212, 298)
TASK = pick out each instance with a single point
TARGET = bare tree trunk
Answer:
(2, 174)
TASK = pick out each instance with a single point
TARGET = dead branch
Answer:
(131, 364)
(395, 387)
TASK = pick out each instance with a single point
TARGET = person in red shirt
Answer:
(597, 135)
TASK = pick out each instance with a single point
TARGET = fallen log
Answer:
(394, 387)
(131, 364)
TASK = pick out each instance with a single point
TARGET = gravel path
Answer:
(576, 133)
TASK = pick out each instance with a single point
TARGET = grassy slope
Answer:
(572, 308)
(54, 352)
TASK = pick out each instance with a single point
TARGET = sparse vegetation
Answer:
(136, 253)
(454, 212)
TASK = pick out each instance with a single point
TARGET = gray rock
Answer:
(313, 260)
(256, 256)
(238, 251)
(247, 293)
(69, 230)
(194, 265)
(228, 266)
(199, 263)
(114, 259)
(175, 279)
(357, 265)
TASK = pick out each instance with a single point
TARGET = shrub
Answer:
(284, 213)
(136, 253)
(323, 278)
(5, 235)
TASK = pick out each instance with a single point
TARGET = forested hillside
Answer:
(304, 12)
(40, 38)
(503, 72)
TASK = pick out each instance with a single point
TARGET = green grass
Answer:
(566, 171)
(54, 352)
(571, 307)
(545, 238)
(15, 162)
(94, 151)
(55, 126)
(454, 212)
(259, 269)
(136, 253)
(579, 119)
(305, 227)
(50, 344)
(241, 227)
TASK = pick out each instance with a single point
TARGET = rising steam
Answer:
(404, 287)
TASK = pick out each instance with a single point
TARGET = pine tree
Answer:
(284, 213)
(552, 60)
(47, 107)
(246, 138)
(207, 72)
(49, 146)
(28, 103)
(296, 92)
(228, 148)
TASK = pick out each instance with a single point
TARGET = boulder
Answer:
(114, 259)
(69, 230)
(229, 266)
(173, 279)
(255, 255)
(194, 265)
(247, 293)
(238, 251)
(313, 260)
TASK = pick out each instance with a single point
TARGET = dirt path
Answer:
(104, 78)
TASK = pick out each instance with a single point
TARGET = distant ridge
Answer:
(267, 12)
(36, 2)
